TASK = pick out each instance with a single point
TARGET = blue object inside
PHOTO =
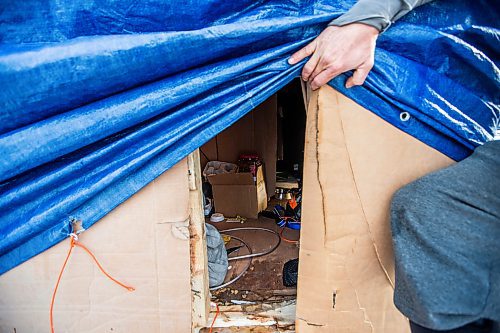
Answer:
(100, 97)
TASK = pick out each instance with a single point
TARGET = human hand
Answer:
(337, 50)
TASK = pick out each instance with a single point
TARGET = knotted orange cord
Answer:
(74, 242)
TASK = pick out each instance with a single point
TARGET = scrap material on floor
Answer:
(263, 281)
(261, 318)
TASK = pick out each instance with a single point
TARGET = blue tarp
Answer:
(100, 97)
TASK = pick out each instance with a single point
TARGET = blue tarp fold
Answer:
(98, 97)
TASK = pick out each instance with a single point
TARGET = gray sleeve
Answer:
(379, 14)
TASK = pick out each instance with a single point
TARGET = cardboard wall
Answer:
(255, 132)
(144, 242)
(354, 162)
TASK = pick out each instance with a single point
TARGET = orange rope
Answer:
(73, 243)
(102, 269)
(213, 321)
(57, 284)
(286, 239)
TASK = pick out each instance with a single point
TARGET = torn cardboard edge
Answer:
(354, 162)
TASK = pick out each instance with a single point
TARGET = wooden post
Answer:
(198, 246)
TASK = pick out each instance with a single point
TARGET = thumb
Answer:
(358, 78)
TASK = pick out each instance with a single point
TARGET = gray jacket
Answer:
(379, 14)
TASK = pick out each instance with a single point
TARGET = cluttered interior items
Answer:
(252, 183)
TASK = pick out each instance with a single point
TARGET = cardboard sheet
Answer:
(144, 242)
(354, 162)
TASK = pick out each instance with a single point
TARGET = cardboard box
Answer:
(238, 193)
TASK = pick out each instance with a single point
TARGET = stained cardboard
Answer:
(354, 162)
(144, 242)
(238, 193)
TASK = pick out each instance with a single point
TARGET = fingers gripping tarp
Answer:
(98, 98)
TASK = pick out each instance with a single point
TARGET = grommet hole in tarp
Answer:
(404, 116)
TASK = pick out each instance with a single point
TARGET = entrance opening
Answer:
(252, 182)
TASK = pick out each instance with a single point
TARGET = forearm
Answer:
(379, 14)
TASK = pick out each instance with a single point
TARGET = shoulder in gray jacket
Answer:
(379, 14)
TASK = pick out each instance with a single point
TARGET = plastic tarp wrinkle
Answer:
(100, 97)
